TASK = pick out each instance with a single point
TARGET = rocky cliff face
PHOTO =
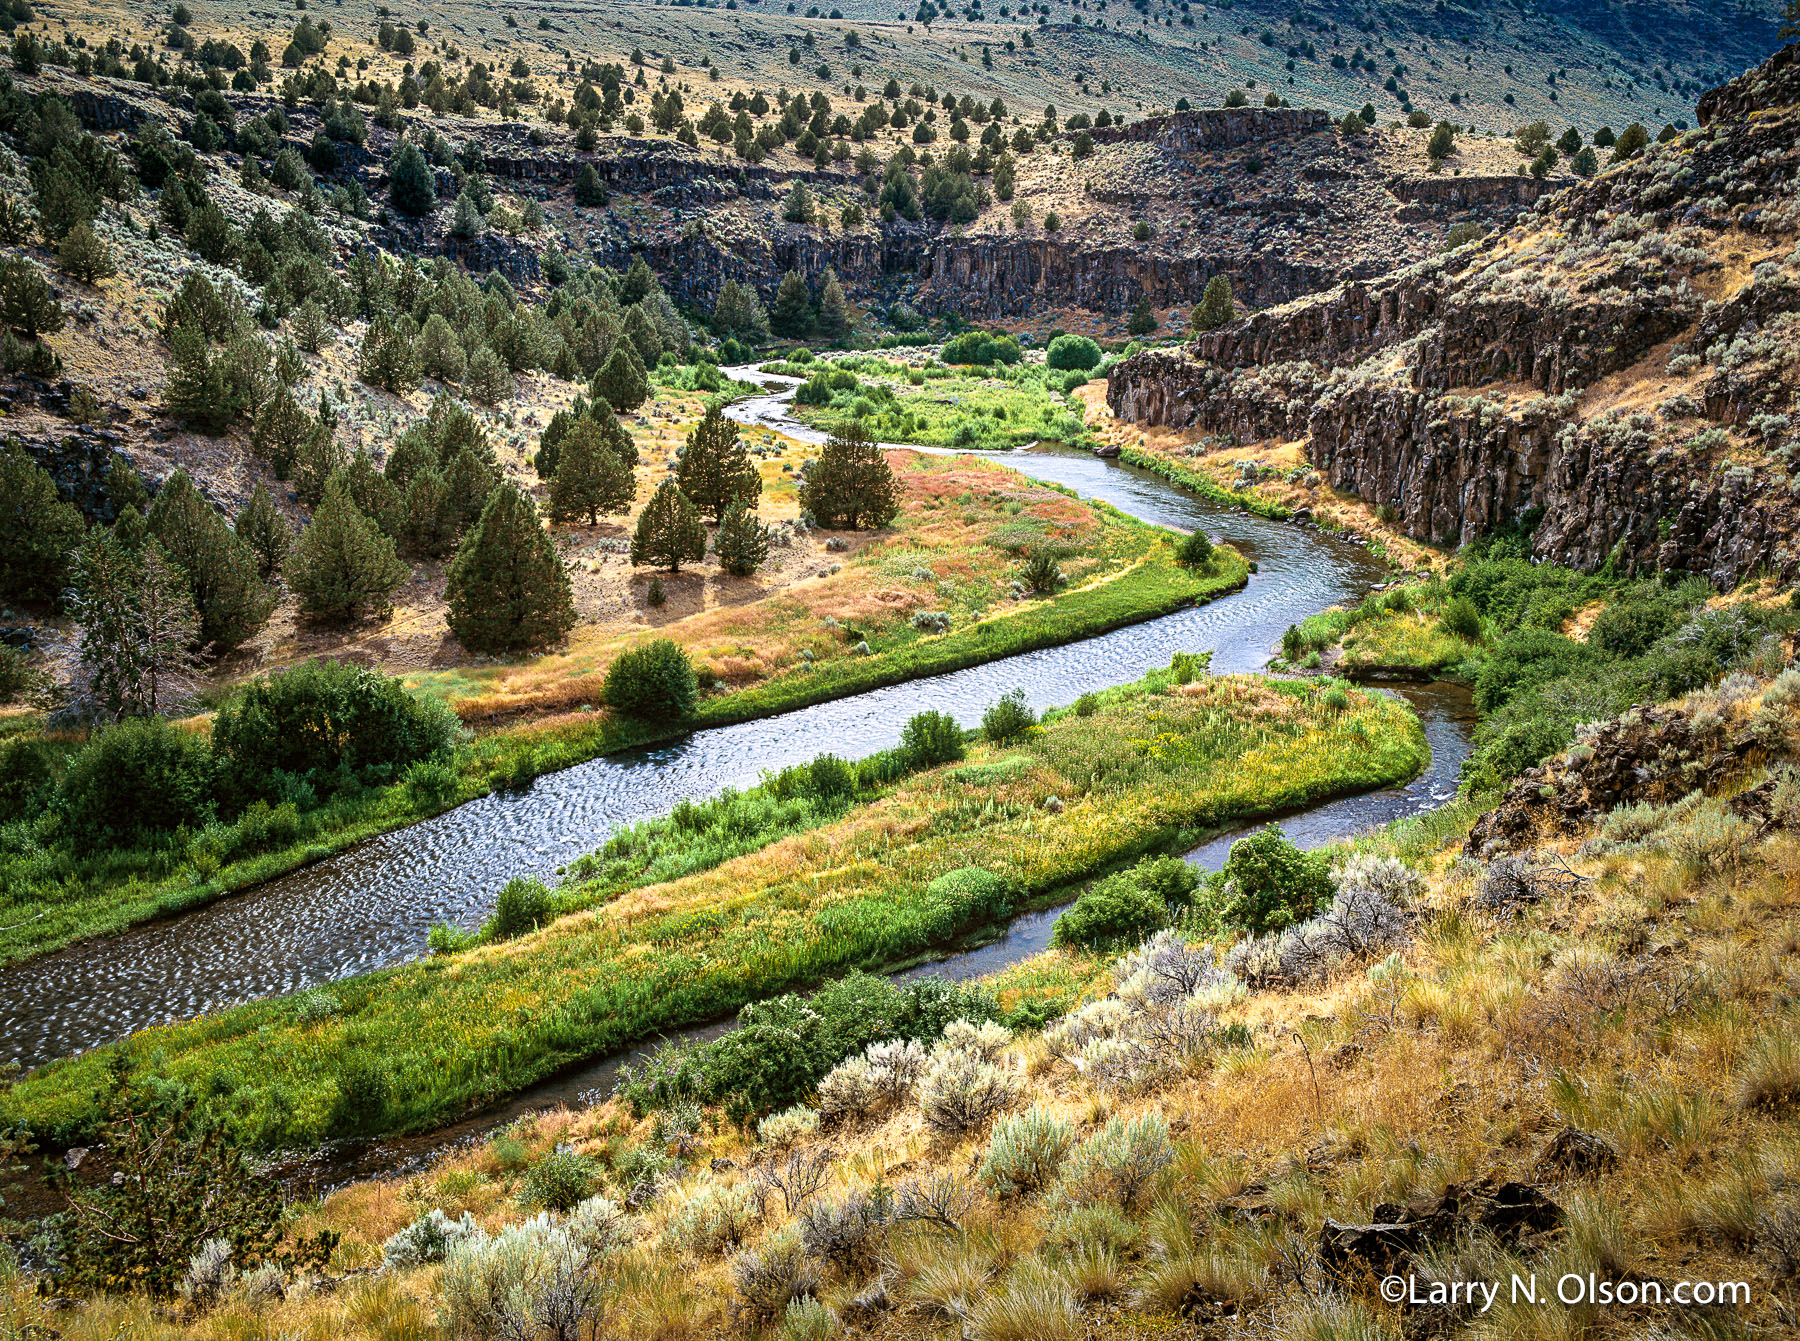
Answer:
(1624, 360)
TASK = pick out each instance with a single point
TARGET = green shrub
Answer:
(931, 738)
(560, 1181)
(1072, 352)
(523, 906)
(27, 777)
(1194, 550)
(1116, 912)
(327, 723)
(652, 681)
(1268, 883)
(830, 778)
(1461, 619)
(431, 785)
(141, 777)
(1041, 572)
(981, 348)
(1087, 705)
(966, 897)
(1009, 718)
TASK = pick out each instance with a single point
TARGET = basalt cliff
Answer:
(1617, 368)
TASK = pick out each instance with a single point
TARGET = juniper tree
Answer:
(834, 309)
(507, 588)
(715, 470)
(590, 480)
(742, 544)
(319, 457)
(411, 184)
(1143, 319)
(851, 485)
(739, 312)
(600, 414)
(641, 330)
(668, 530)
(468, 480)
(793, 314)
(1215, 307)
(229, 597)
(82, 254)
(427, 527)
(387, 358)
(373, 493)
(198, 391)
(264, 531)
(281, 426)
(621, 382)
(41, 530)
(343, 565)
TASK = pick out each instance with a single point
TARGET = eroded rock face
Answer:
(1622, 361)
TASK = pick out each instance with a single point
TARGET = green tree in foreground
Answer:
(851, 485)
(508, 591)
(137, 628)
(715, 469)
(342, 564)
(668, 530)
(1215, 307)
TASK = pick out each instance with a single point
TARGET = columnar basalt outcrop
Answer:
(1214, 128)
(1621, 366)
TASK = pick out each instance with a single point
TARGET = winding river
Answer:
(371, 906)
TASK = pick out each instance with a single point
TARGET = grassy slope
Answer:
(1155, 763)
(1123, 572)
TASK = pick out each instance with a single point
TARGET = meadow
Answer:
(988, 408)
(963, 525)
(1137, 769)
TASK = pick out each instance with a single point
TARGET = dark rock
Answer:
(1572, 1150)
(1350, 1252)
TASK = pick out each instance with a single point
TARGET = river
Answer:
(372, 905)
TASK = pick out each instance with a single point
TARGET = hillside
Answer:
(1616, 369)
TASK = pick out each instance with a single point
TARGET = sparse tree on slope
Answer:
(508, 591)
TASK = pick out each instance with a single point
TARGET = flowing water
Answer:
(371, 906)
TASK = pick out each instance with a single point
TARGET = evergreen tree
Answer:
(428, 526)
(27, 302)
(373, 493)
(739, 312)
(599, 413)
(342, 564)
(715, 469)
(411, 184)
(834, 309)
(638, 283)
(668, 530)
(1215, 307)
(264, 531)
(590, 191)
(83, 255)
(589, 479)
(743, 541)
(281, 427)
(137, 628)
(641, 330)
(468, 480)
(507, 588)
(229, 597)
(319, 457)
(621, 382)
(851, 485)
(41, 530)
(388, 360)
(793, 314)
(440, 354)
(1143, 319)
(198, 391)
(488, 380)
